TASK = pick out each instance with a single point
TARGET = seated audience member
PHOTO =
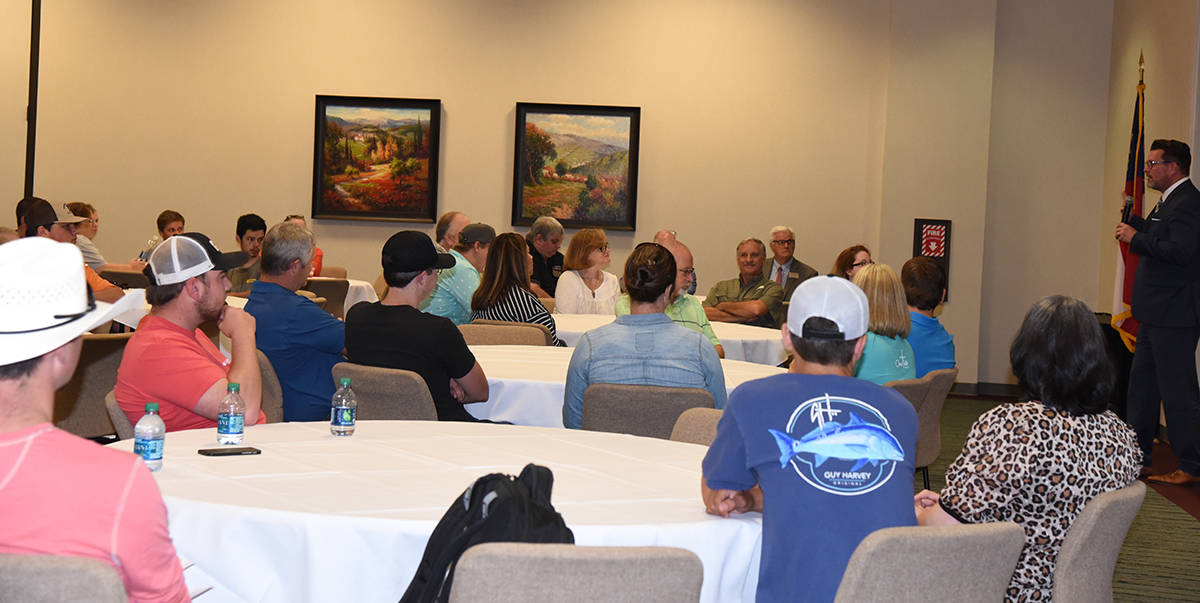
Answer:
(644, 347)
(544, 239)
(86, 233)
(784, 268)
(850, 260)
(448, 228)
(665, 238)
(749, 298)
(301, 340)
(924, 289)
(8, 235)
(64, 495)
(23, 208)
(504, 292)
(44, 219)
(169, 360)
(394, 333)
(1040, 460)
(251, 229)
(455, 286)
(584, 287)
(887, 355)
(780, 449)
(318, 255)
(169, 224)
(685, 309)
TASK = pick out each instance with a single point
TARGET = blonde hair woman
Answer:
(584, 287)
(887, 355)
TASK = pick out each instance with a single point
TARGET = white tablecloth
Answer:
(319, 518)
(741, 342)
(359, 291)
(526, 383)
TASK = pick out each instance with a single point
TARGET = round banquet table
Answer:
(741, 342)
(321, 518)
(526, 383)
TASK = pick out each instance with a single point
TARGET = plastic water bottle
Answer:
(151, 243)
(231, 417)
(345, 407)
(148, 437)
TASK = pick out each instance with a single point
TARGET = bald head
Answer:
(686, 272)
(663, 237)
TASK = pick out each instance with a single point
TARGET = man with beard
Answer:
(169, 360)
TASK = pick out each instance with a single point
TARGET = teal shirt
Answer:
(886, 359)
(455, 287)
(685, 311)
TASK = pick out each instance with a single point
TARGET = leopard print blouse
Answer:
(1038, 467)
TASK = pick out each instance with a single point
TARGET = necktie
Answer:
(779, 275)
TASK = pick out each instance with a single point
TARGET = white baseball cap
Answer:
(832, 298)
(45, 301)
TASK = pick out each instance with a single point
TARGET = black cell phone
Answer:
(244, 450)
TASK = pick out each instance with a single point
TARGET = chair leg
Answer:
(925, 475)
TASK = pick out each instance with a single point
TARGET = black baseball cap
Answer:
(413, 251)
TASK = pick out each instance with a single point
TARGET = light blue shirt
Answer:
(886, 359)
(641, 349)
(931, 344)
(455, 287)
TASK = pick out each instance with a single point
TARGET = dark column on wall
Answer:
(35, 36)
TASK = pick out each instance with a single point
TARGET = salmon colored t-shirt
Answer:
(170, 365)
(63, 495)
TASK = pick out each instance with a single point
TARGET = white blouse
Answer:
(573, 296)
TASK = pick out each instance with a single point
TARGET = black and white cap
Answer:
(187, 255)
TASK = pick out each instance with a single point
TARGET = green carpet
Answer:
(1160, 560)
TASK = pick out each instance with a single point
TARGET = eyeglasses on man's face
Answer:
(1153, 162)
(784, 242)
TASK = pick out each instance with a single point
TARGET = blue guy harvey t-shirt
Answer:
(835, 459)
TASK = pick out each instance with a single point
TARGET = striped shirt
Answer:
(519, 305)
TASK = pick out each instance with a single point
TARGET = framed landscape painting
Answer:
(577, 163)
(376, 158)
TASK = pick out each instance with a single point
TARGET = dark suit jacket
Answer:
(798, 273)
(1166, 288)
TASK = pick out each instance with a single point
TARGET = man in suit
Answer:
(785, 269)
(1166, 304)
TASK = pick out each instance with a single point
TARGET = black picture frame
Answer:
(376, 158)
(578, 163)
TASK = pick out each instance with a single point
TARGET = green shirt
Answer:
(685, 310)
(763, 289)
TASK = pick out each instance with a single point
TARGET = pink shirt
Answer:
(170, 365)
(63, 495)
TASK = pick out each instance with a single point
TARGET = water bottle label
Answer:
(230, 423)
(148, 449)
(343, 416)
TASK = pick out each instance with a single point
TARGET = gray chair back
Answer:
(1084, 569)
(328, 271)
(500, 332)
(548, 302)
(50, 579)
(79, 405)
(386, 393)
(928, 396)
(696, 426)
(272, 392)
(125, 279)
(512, 572)
(333, 290)
(117, 416)
(970, 562)
(643, 410)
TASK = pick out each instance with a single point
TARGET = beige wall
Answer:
(1045, 172)
(844, 119)
(14, 80)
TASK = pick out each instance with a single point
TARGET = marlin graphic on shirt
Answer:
(855, 440)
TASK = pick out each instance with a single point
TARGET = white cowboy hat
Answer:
(44, 298)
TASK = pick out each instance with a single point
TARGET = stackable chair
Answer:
(79, 405)
(499, 332)
(1084, 569)
(272, 392)
(333, 290)
(387, 394)
(518, 572)
(642, 410)
(928, 396)
(117, 416)
(47, 579)
(696, 426)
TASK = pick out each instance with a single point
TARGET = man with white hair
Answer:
(169, 360)
(784, 268)
(61, 494)
(825, 457)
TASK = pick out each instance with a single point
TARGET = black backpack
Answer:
(496, 508)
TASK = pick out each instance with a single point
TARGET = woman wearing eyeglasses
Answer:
(584, 287)
(887, 356)
(850, 261)
(644, 347)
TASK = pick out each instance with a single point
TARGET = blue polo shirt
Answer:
(932, 346)
(303, 342)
